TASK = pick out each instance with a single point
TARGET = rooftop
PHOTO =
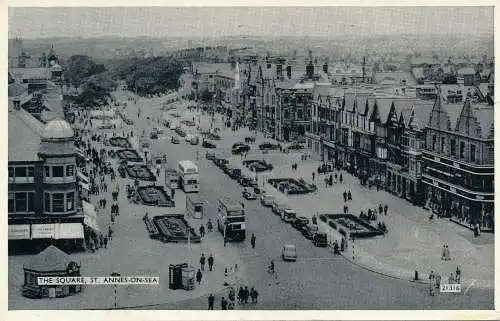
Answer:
(210, 68)
(25, 132)
(466, 71)
(57, 129)
(30, 73)
(49, 260)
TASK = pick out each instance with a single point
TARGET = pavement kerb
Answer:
(219, 290)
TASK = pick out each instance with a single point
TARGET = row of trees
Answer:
(150, 76)
(95, 82)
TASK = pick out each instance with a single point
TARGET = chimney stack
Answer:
(325, 68)
(289, 72)
(310, 70)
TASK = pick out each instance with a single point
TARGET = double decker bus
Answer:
(188, 176)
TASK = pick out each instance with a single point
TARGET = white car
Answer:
(188, 138)
(288, 215)
(289, 253)
(267, 200)
(172, 126)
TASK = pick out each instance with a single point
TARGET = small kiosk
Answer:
(194, 206)
(51, 262)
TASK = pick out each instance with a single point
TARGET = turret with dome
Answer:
(57, 139)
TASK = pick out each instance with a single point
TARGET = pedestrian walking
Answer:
(241, 293)
(380, 208)
(457, 275)
(349, 195)
(202, 231)
(345, 196)
(223, 304)
(385, 209)
(210, 262)
(252, 241)
(246, 294)
(432, 279)
(105, 242)
(254, 295)
(313, 175)
(202, 262)
(198, 276)
(211, 300)
(172, 193)
(341, 178)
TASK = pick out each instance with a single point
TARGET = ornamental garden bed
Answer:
(140, 171)
(121, 142)
(290, 186)
(258, 165)
(155, 196)
(129, 155)
(174, 228)
(350, 224)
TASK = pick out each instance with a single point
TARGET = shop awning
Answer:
(84, 186)
(90, 216)
(43, 231)
(19, 232)
(69, 231)
(83, 178)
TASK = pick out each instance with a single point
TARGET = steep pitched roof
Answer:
(322, 90)
(384, 107)
(485, 119)
(421, 113)
(453, 111)
(360, 102)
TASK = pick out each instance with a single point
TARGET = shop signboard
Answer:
(43, 231)
(19, 232)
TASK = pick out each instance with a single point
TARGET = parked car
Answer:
(180, 132)
(235, 145)
(240, 149)
(300, 222)
(210, 155)
(175, 140)
(194, 141)
(289, 253)
(246, 181)
(295, 146)
(249, 194)
(267, 200)
(233, 172)
(208, 144)
(188, 137)
(309, 230)
(159, 130)
(268, 146)
(153, 134)
(172, 126)
(320, 240)
(288, 215)
(278, 207)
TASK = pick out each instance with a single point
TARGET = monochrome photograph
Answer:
(251, 158)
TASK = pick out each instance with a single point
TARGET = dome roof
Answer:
(57, 129)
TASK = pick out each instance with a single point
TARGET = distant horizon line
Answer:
(243, 36)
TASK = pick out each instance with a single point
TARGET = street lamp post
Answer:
(115, 289)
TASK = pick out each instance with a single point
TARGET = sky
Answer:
(30, 23)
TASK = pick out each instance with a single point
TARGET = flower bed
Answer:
(356, 227)
(290, 186)
(154, 196)
(258, 165)
(141, 172)
(129, 155)
(174, 228)
(120, 142)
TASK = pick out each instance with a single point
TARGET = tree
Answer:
(96, 90)
(80, 67)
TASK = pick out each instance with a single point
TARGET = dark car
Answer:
(309, 230)
(295, 147)
(300, 222)
(268, 146)
(320, 240)
(246, 181)
(175, 140)
(240, 149)
(208, 144)
(235, 145)
(180, 132)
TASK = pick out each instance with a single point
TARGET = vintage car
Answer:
(289, 253)
(210, 155)
(208, 144)
(268, 146)
(249, 194)
(175, 140)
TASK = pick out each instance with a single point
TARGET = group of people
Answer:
(435, 280)
(244, 294)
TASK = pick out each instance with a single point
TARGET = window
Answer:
(443, 141)
(472, 153)
(12, 202)
(434, 142)
(70, 201)
(462, 150)
(58, 202)
(70, 170)
(46, 200)
(57, 171)
(30, 171)
(47, 171)
(453, 148)
(20, 171)
(11, 171)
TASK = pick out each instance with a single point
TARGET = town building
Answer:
(459, 163)
(43, 204)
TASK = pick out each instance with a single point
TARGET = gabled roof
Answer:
(485, 118)
(349, 101)
(321, 90)
(421, 112)
(384, 107)
(453, 111)
(360, 102)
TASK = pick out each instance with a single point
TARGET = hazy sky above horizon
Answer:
(259, 21)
